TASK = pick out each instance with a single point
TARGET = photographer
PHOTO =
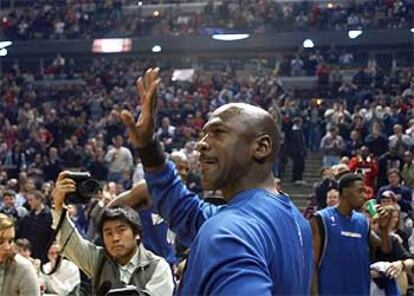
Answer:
(123, 260)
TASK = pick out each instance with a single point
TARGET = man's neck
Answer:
(344, 209)
(252, 181)
(38, 210)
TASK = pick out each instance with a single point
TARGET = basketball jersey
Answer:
(344, 262)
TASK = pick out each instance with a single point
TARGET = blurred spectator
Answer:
(16, 213)
(407, 170)
(167, 134)
(403, 194)
(65, 280)
(353, 144)
(314, 125)
(332, 146)
(389, 160)
(24, 248)
(322, 188)
(363, 163)
(400, 141)
(52, 165)
(296, 66)
(332, 198)
(376, 142)
(119, 159)
(36, 226)
(296, 143)
(98, 167)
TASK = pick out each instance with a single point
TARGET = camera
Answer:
(86, 188)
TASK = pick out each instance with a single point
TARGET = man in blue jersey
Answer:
(342, 242)
(259, 243)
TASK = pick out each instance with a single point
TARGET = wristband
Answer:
(152, 155)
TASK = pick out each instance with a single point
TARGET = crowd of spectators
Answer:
(366, 126)
(90, 19)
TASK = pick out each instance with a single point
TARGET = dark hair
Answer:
(9, 193)
(122, 213)
(393, 171)
(38, 195)
(348, 180)
(24, 243)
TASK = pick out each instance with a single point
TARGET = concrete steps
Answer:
(300, 192)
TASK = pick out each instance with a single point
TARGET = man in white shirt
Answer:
(119, 160)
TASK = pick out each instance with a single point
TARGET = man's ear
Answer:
(262, 147)
(137, 236)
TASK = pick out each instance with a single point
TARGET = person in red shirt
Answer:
(366, 164)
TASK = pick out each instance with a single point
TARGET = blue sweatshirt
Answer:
(155, 231)
(259, 244)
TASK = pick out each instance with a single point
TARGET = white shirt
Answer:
(119, 160)
(64, 280)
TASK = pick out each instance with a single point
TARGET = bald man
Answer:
(259, 243)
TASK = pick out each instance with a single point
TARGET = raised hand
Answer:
(142, 132)
(62, 187)
(384, 212)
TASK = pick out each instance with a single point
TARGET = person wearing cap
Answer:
(123, 260)
(342, 242)
(403, 194)
(387, 198)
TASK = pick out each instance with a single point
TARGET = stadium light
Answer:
(412, 30)
(3, 52)
(308, 43)
(139, 3)
(230, 37)
(354, 33)
(112, 45)
(4, 44)
(156, 48)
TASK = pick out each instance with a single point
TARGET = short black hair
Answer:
(348, 180)
(122, 213)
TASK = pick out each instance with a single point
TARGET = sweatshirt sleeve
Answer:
(78, 250)
(184, 211)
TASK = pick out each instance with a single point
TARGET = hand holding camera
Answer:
(74, 188)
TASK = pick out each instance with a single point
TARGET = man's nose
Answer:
(116, 237)
(202, 145)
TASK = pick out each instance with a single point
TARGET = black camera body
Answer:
(86, 188)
